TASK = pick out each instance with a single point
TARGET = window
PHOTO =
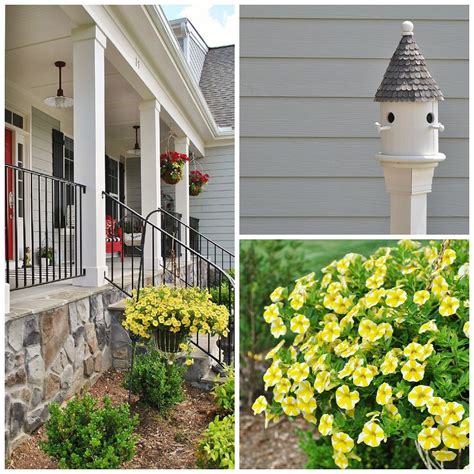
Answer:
(13, 119)
(20, 182)
(63, 167)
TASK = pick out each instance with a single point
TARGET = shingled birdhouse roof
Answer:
(407, 78)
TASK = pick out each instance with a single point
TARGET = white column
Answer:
(89, 146)
(150, 177)
(408, 185)
(181, 145)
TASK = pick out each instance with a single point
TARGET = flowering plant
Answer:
(377, 348)
(188, 310)
(197, 181)
(172, 166)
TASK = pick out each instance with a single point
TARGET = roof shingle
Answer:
(407, 78)
(217, 84)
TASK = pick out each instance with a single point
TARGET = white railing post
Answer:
(89, 146)
(181, 145)
(150, 177)
(408, 129)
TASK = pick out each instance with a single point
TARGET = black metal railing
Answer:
(43, 228)
(176, 264)
(200, 243)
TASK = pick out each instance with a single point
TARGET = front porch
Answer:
(60, 161)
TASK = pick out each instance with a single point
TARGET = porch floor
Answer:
(48, 296)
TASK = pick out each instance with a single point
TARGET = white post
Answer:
(89, 146)
(408, 185)
(181, 145)
(151, 178)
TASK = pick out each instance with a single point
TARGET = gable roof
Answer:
(407, 78)
(217, 84)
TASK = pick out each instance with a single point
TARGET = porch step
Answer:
(119, 306)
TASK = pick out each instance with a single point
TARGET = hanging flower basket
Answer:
(172, 166)
(167, 341)
(197, 181)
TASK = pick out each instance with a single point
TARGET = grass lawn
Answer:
(319, 253)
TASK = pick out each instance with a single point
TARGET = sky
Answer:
(217, 24)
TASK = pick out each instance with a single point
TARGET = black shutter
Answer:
(58, 172)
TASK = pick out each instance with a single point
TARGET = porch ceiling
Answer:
(39, 35)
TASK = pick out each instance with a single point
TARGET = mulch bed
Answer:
(166, 441)
(273, 448)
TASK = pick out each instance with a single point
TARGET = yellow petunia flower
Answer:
(420, 395)
(307, 407)
(389, 365)
(444, 455)
(290, 406)
(342, 442)
(439, 286)
(310, 418)
(413, 351)
(271, 313)
(340, 460)
(449, 305)
(322, 381)
(299, 324)
(372, 434)
(413, 371)
(362, 377)
(346, 399)
(429, 438)
(395, 297)
(436, 405)
(325, 424)
(304, 391)
(277, 294)
(384, 394)
(297, 301)
(464, 426)
(453, 438)
(421, 297)
(330, 332)
(299, 371)
(273, 375)
(453, 412)
(260, 405)
(449, 257)
(278, 328)
(465, 329)
(430, 326)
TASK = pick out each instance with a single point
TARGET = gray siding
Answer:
(308, 75)
(133, 187)
(196, 59)
(214, 207)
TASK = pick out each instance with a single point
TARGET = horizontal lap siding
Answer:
(214, 207)
(308, 77)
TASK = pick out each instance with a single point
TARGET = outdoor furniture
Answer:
(113, 237)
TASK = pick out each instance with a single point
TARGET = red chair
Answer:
(113, 237)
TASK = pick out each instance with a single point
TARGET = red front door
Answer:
(9, 194)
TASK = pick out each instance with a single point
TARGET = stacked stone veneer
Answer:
(51, 355)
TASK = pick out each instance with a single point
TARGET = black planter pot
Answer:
(167, 341)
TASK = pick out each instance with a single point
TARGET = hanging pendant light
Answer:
(135, 151)
(59, 101)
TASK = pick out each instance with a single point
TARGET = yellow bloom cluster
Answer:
(188, 310)
(374, 346)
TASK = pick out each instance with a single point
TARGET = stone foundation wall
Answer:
(51, 355)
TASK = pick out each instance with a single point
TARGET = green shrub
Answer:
(216, 449)
(83, 436)
(224, 390)
(157, 381)
(224, 297)
(395, 455)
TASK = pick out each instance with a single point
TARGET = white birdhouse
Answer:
(409, 127)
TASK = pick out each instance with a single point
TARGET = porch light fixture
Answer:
(135, 151)
(59, 101)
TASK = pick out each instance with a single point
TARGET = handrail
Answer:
(185, 246)
(44, 175)
(198, 271)
(197, 232)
